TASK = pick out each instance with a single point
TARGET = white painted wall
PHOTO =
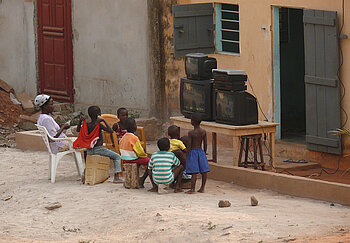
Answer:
(17, 47)
(111, 60)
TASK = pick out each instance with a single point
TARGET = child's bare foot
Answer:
(190, 192)
(153, 189)
(178, 190)
(141, 183)
(201, 190)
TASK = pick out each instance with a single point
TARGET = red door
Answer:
(55, 49)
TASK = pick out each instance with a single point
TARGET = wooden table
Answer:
(262, 127)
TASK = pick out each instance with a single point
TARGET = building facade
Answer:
(294, 52)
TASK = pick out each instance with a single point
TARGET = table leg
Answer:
(241, 151)
(272, 150)
(255, 153)
(214, 147)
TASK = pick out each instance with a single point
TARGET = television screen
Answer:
(193, 97)
(224, 106)
(196, 96)
(199, 66)
(192, 65)
(235, 107)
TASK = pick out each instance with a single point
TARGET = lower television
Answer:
(235, 107)
(196, 96)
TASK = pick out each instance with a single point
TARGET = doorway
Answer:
(292, 72)
(55, 51)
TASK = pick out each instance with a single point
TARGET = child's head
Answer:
(196, 118)
(163, 144)
(94, 111)
(130, 125)
(122, 114)
(174, 132)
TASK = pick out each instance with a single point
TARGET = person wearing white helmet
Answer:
(45, 103)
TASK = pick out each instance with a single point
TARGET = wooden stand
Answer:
(262, 127)
(131, 172)
(97, 169)
(256, 145)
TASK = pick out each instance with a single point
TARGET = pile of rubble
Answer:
(17, 113)
(11, 107)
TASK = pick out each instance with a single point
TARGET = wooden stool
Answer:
(256, 144)
(131, 172)
(97, 169)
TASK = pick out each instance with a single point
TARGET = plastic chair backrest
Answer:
(111, 119)
(45, 135)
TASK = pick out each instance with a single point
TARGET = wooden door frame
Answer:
(68, 32)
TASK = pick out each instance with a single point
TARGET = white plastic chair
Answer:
(55, 158)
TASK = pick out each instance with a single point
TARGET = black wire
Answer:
(341, 64)
(257, 99)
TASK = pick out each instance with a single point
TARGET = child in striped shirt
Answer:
(164, 168)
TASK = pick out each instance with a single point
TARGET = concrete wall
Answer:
(286, 184)
(111, 55)
(17, 45)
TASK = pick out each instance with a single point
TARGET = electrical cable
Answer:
(257, 99)
(340, 65)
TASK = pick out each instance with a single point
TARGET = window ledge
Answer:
(229, 53)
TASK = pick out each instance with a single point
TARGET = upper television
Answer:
(199, 66)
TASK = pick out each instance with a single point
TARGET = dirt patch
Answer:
(109, 212)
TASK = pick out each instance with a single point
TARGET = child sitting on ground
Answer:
(164, 168)
(90, 137)
(197, 161)
(176, 145)
(119, 127)
(131, 149)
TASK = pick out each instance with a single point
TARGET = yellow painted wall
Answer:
(256, 56)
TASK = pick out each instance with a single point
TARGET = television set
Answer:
(235, 107)
(199, 66)
(196, 96)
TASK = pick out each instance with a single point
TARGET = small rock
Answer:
(53, 206)
(158, 214)
(253, 201)
(224, 204)
(7, 198)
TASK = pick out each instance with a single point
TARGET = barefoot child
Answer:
(197, 161)
(131, 149)
(119, 127)
(176, 145)
(164, 168)
(90, 137)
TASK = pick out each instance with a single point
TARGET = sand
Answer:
(110, 213)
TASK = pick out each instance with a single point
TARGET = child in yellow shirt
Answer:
(176, 145)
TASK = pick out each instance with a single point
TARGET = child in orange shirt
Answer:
(131, 149)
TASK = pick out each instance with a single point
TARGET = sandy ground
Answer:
(110, 213)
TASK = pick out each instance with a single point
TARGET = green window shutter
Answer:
(322, 88)
(193, 28)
